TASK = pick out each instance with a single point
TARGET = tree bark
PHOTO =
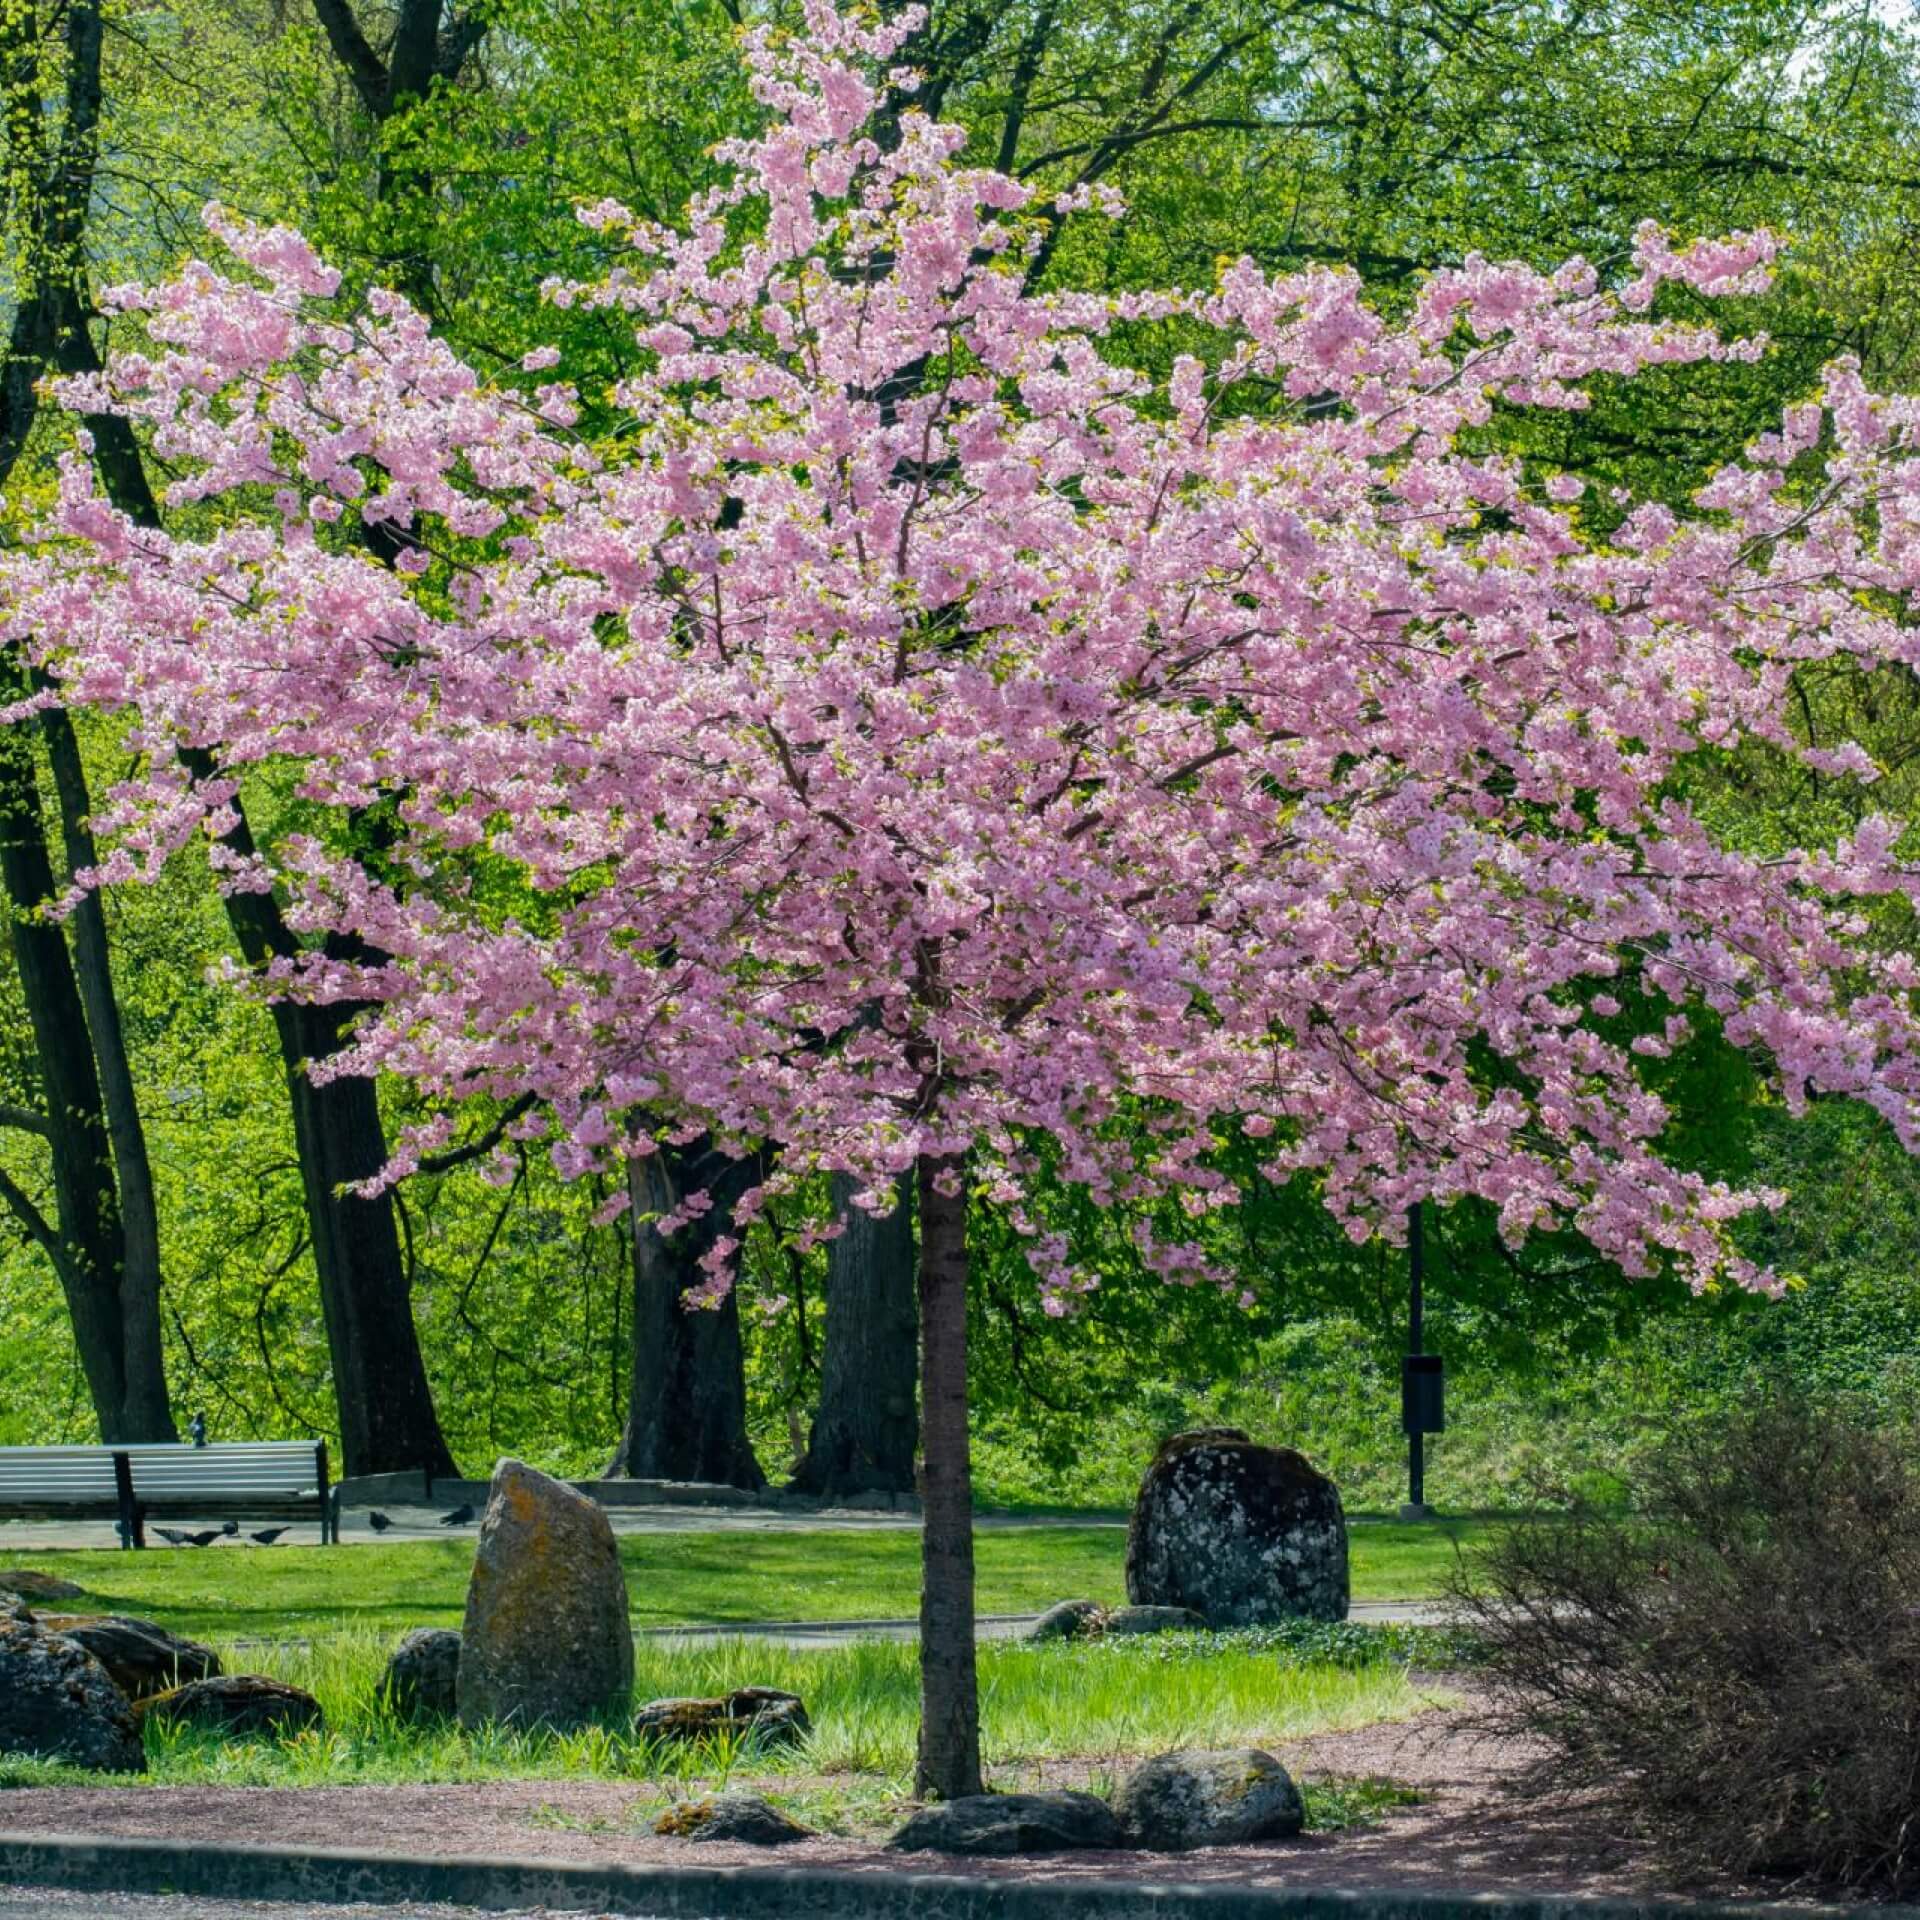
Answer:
(148, 1413)
(948, 1766)
(687, 1409)
(867, 1429)
(87, 1228)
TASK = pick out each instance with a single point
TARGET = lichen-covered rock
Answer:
(34, 1586)
(1200, 1798)
(746, 1818)
(423, 1676)
(1069, 1620)
(141, 1657)
(1125, 1620)
(238, 1704)
(1007, 1823)
(1244, 1535)
(764, 1714)
(57, 1701)
(547, 1641)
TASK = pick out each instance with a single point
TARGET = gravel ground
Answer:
(1464, 1834)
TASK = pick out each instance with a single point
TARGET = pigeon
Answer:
(170, 1537)
(231, 1528)
(203, 1539)
(268, 1535)
(459, 1517)
(378, 1521)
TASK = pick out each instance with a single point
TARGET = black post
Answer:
(1416, 1310)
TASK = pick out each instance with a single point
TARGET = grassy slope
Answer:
(673, 1578)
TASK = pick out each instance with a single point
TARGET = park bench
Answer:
(235, 1480)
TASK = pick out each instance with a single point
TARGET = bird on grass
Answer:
(267, 1535)
(170, 1537)
(231, 1528)
(378, 1521)
(204, 1539)
(459, 1517)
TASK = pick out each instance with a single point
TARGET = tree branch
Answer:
(355, 54)
(25, 1120)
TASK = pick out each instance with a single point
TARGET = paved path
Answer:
(423, 1523)
(801, 1634)
(53, 1903)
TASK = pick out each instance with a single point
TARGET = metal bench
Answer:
(234, 1480)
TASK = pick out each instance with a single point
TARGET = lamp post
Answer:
(1422, 1376)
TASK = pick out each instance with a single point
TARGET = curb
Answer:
(331, 1876)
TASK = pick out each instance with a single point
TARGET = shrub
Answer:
(1733, 1662)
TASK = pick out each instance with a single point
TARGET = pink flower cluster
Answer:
(909, 730)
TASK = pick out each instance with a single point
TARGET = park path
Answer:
(802, 1634)
(423, 1523)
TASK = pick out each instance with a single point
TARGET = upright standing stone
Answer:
(1244, 1535)
(547, 1641)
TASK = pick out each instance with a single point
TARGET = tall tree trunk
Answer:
(949, 1758)
(866, 1432)
(148, 1413)
(87, 1240)
(687, 1412)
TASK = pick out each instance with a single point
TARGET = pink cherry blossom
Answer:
(915, 733)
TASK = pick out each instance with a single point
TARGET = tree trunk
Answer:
(687, 1412)
(148, 1412)
(87, 1241)
(866, 1432)
(387, 1418)
(949, 1758)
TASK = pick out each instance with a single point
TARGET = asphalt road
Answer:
(31, 1903)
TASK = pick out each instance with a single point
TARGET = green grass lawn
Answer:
(674, 1579)
(1097, 1705)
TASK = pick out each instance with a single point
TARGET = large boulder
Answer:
(1219, 1798)
(763, 1714)
(423, 1676)
(57, 1701)
(34, 1586)
(748, 1819)
(141, 1657)
(1244, 1535)
(241, 1704)
(1068, 1620)
(547, 1641)
(1004, 1823)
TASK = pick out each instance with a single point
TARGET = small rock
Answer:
(547, 1640)
(57, 1701)
(1151, 1620)
(422, 1678)
(765, 1714)
(747, 1818)
(1199, 1798)
(1068, 1620)
(141, 1657)
(237, 1703)
(32, 1585)
(1246, 1535)
(1006, 1823)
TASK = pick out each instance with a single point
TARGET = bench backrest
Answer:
(235, 1467)
(57, 1474)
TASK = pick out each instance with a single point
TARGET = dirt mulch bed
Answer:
(1466, 1833)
